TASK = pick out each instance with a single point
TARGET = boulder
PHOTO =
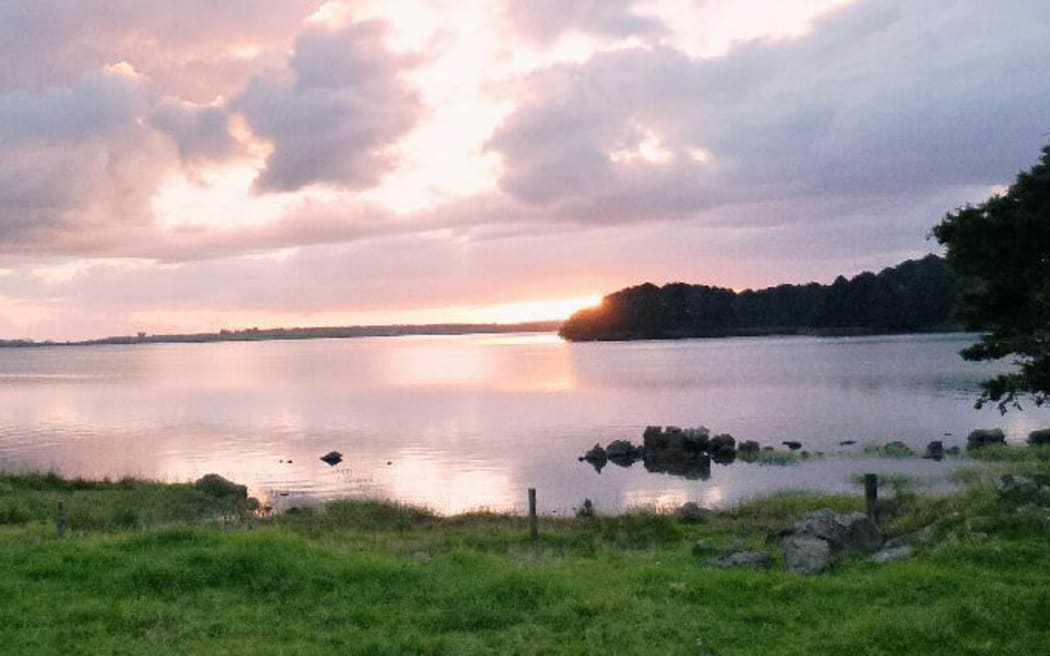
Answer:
(333, 458)
(723, 448)
(697, 439)
(893, 554)
(806, 554)
(677, 462)
(691, 513)
(744, 559)
(791, 444)
(219, 487)
(623, 453)
(984, 437)
(934, 450)
(750, 447)
(847, 442)
(842, 531)
(1039, 437)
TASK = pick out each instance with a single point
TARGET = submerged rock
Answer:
(694, 466)
(333, 458)
(807, 554)
(847, 442)
(983, 437)
(897, 449)
(793, 445)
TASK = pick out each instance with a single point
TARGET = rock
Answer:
(893, 555)
(897, 449)
(985, 436)
(806, 555)
(1039, 437)
(596, 456)
(623, 453)
(934, 450)
(697, 439)
(219, 487)
(846, 531)
(744, 559)
(586, 509)
(333, 458)
(691, 513)
(723, 449)
(847, 442)
(791, 444)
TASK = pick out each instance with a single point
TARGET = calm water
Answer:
(472, 421)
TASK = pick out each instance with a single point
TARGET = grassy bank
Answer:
(147, 567)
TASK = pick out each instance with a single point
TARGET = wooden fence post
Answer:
(60, 521)
(534, 529)
(871, 495)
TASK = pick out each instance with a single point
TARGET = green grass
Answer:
(378, 578)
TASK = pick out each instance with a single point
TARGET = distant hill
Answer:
(329, 332)
(914, 296)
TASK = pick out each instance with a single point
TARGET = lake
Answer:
(466, 422)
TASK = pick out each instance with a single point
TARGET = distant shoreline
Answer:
(285, 334)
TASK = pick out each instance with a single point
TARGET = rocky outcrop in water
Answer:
(686, 452)
(332, 458)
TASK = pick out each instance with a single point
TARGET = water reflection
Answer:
(468, 422)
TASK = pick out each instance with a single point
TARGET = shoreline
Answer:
(116, 566)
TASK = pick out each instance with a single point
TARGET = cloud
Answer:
(546, 20)
(880, 98)
(201, 132)
(196, 49)
(333, 116)
(75, 159)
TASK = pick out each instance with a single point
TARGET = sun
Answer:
(547, 310)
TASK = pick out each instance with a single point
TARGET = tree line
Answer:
(914, 296)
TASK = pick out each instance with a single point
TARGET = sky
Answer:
(211, 164)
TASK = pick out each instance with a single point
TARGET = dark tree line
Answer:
(914, 296)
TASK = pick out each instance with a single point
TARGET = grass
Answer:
(378, 578)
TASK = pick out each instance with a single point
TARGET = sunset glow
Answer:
(428, 161)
